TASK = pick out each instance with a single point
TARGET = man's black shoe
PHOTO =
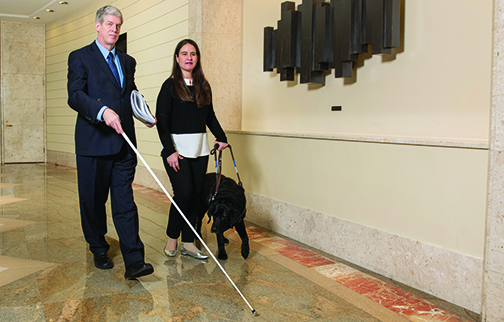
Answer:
(103, 261)
(137, 269)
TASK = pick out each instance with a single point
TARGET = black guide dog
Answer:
(227, 209)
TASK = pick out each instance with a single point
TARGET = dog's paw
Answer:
(222, 256)
(245, 250)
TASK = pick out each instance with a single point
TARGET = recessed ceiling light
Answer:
(63, 2)
(49, 10)
(36, 17)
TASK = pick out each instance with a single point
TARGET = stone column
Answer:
(22, 92)
(216, 26)
(493, 283)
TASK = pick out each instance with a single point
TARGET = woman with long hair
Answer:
(184, 110)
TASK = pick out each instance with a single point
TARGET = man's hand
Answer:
(112, 119)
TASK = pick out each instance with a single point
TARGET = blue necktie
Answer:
(110, 60)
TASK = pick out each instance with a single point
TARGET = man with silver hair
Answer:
(107, 10)
(100, 82)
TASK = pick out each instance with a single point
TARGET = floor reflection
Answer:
(47, 272)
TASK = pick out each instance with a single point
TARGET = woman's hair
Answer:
(107, 10)
(202, 94)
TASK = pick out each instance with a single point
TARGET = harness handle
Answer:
(218, 167)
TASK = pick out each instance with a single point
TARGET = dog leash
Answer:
(218, 167)
(186, 220)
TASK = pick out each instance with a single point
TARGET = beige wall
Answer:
(437, 89)
(431, 194)
(404, 165)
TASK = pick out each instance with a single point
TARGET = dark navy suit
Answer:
(105, 162)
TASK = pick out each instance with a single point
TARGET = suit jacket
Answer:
(91, 85)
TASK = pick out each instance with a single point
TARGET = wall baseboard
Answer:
(451, 276)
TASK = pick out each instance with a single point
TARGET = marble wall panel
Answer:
(23, 32)
(227, 102)
(222, 58)
(454, 277)
(494, 293)
(15, 109)
(23, 86)
(493, 287)
(22, 50)
(497, 113)
(24, 143)
(497, 123)
(195, 17)
(495, 214)
(498, 9)
(23, 91)
(221, 16)
(216, 27)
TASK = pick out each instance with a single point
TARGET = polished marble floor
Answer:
(47, 273)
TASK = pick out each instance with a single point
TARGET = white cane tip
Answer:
(253, 311)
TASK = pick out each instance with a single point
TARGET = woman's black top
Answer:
(175, 116)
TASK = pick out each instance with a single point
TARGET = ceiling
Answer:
(25, 10)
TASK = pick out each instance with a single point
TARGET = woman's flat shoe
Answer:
(197, 255)
(170, 253)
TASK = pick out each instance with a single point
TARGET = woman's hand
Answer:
(221, 145)
(173, 161)
(150, 125)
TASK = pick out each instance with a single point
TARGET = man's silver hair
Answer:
(107, 10)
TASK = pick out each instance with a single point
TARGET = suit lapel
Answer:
(103, 64)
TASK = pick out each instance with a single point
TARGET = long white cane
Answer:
(183, 216)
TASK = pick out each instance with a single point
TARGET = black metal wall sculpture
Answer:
(320, 36)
